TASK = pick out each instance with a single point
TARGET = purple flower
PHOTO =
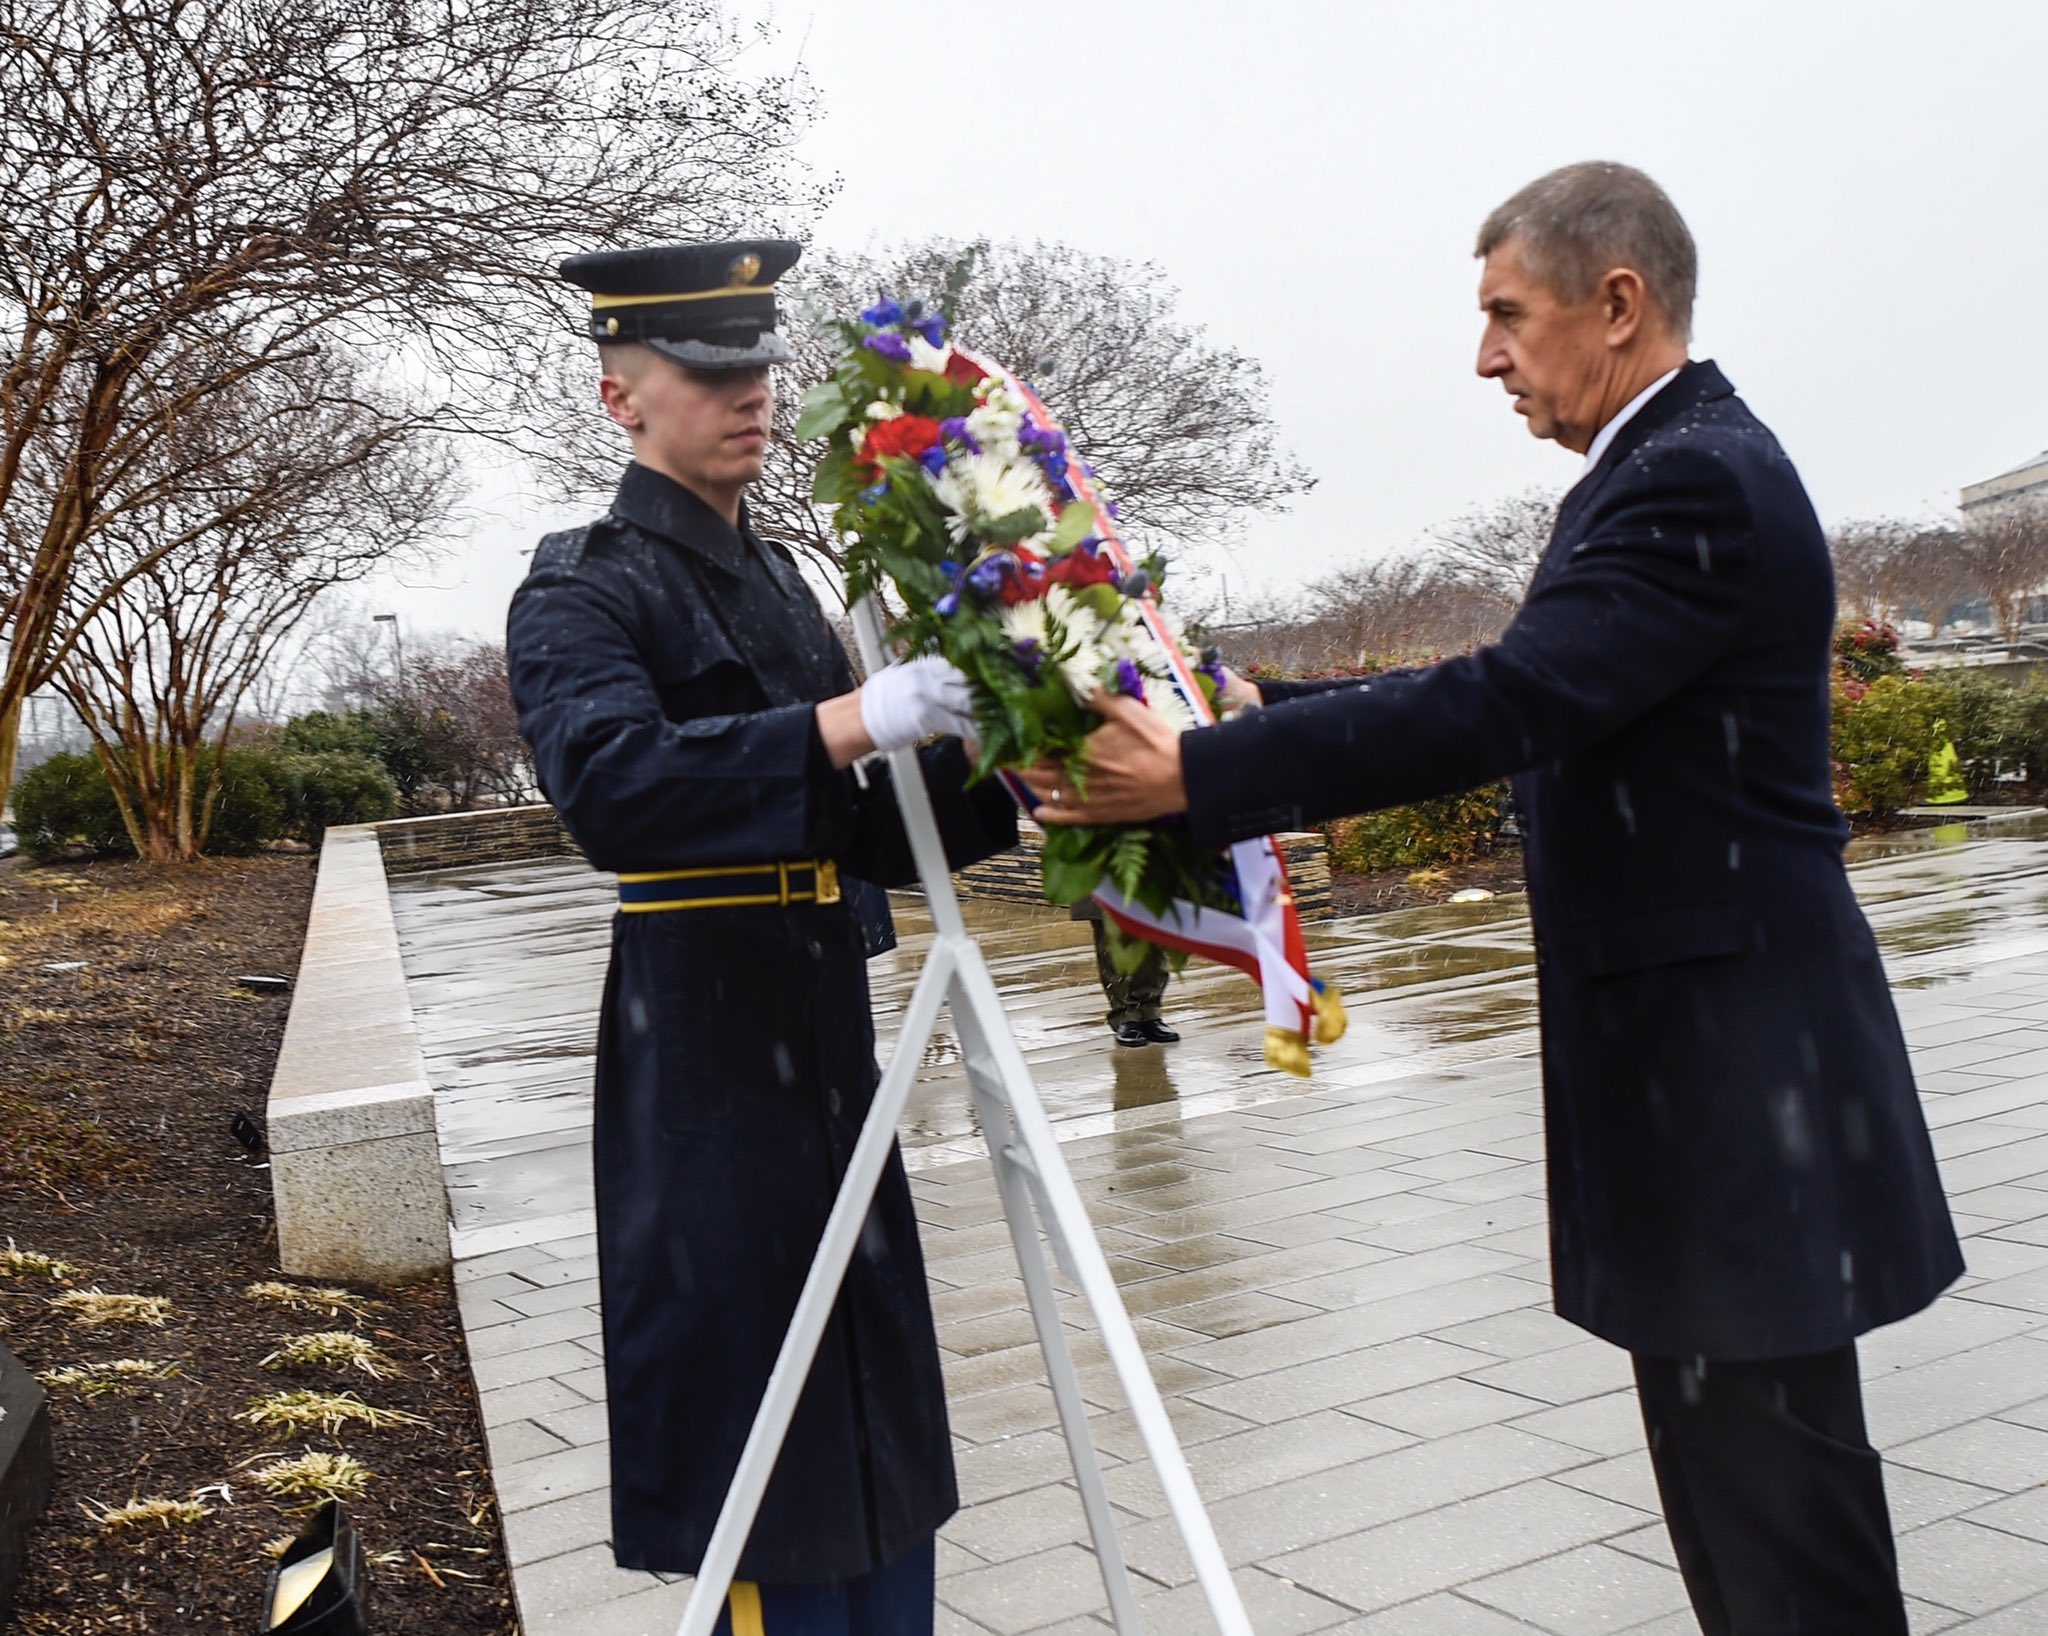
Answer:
(932, 327)
(1115, 515)
(886, 310)
(950, 569)
(985, 579)
(869, 496)
(1031, 655)
(1129, 680)
(892, 347)
(948, 605)
(933, 459)
(955, 431)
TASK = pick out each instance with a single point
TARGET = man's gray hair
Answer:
(1583, 221)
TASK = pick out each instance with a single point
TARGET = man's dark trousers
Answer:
(1738, 1165)
(1773, 1495)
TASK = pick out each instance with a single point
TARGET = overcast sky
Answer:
(1868, 185)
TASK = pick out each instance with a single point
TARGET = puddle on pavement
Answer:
(506, 966)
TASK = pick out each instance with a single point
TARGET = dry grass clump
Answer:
(90, 1308)
(137, 1513)
(330, 1411)
(118, 1375)
(19, 1263)
(307, 1298)
(330, 1349)
(1429, 877)
(314, 1477)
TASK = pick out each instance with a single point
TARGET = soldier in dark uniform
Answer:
(1134, 996)
(695, 721)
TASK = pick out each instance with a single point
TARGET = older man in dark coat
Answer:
(693, 717)
(1741, 1181)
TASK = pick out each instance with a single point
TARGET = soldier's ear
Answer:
(620, 402)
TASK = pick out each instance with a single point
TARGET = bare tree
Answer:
(1933, 576)
(2006, 548)
(157, 669)
(463, 696)
(1179, 426)
(194, 193)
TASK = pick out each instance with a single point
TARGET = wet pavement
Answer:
(1341, 1285)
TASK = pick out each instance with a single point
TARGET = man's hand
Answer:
(1238, 694)
(1133, 771)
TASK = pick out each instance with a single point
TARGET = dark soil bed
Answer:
(1365, 894)
(119, 1082)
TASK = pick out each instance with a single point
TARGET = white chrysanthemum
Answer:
(1165, 701)
(985, 487)
(923, 355)
(880, 410)
(1071, 635)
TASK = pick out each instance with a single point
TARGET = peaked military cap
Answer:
(710, 306)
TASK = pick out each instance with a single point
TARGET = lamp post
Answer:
(397, 645)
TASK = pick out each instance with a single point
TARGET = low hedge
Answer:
(65, 803)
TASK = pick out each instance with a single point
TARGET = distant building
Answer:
(2027, 481)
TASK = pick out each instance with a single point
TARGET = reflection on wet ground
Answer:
(506, 965)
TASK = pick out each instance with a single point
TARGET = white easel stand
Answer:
(1036, 1190)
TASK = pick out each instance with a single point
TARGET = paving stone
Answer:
(560, 1358)
(538, 1532)
(1566, 1374)
(1442, 1406)
(2025, 1513)
(1960, 1564)
(1274, 1607)
(1447, 1613)
(1993, 1453)
(552, 1476)
(1031, 1591)
(1609, 1424)
(1454, 1544)
(577, 1580)
(1579, 1593)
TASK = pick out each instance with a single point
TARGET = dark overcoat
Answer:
(665, 666)
(1739, 1165)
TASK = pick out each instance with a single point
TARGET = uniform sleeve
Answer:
(1655, 590)
(636, 790)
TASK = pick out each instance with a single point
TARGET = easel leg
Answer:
(1015, 1189)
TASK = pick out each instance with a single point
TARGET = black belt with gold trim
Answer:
(748, 886)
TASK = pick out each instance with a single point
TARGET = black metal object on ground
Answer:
(25, 1468)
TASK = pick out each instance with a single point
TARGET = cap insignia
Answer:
(743, 269)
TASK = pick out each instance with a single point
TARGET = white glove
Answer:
(912, 701)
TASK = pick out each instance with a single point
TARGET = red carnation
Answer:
(907, 435)
(962, 370)
(1078, 568)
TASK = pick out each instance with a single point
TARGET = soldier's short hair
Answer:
(1584, 220)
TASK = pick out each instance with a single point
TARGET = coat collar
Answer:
(1696, 384)
(660, 505)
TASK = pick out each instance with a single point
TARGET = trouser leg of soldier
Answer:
(1133, 996)
(895, 1599)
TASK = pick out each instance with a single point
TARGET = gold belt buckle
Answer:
(828, 880)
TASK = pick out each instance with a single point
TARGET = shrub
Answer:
(2029, 727)
(1865, 649)
(255, 794)
(1881, 741)
(1983, 717)
(65, 801)
(320, 733)
(1450, 829)
(335, 787)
